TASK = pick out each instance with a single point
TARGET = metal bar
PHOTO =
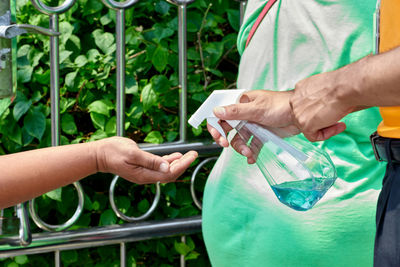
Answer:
(182, 259)
(54, 82)
(182, 39)
(102, 236)
(57, 258)
(120, 54)
(123, 254)
(242, 10)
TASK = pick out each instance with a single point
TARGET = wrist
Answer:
(96, 155)
(352, 81)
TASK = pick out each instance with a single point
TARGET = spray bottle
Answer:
(298, 172)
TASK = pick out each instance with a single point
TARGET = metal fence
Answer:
(56, 237)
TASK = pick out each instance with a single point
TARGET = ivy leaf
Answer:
(104, 40)
(21, 108)
(64, 55)
(171, 136)
(154, 137)
(197, 131)
(92, 7)
(192, 255)
(15, 133)
(24, 74)
(101, 107)
(68, 124)
(160, 58)
(22, 259)
(55, 194)
(69, 256)
(107, 218)
(81, 61)
(148, 97)
(162, 7)
(143, 205)
(131, 85)
(98, 120)
(35, 123)
(181, 248)
(4, 104)
(111, 126)
(161, 84)
(70, 79)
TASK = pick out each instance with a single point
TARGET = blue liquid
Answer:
(302, 195)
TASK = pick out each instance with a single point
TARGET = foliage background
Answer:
(87, 71)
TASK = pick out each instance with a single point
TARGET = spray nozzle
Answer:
(216, 99)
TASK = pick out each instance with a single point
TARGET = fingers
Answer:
(240, 146)
(151, 161)
(218, 138)
(174, 156)
(177, 168)
(242, 111)
(326, 133)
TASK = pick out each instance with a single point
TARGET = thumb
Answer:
(242, 111)
(151, 161)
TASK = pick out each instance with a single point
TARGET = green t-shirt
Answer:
(243, 222)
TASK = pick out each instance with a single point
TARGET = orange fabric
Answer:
(389, 39)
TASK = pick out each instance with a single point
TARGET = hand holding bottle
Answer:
(266, 108)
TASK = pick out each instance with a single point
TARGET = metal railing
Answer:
(57, 238)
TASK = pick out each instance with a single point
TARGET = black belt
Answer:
(378, 144)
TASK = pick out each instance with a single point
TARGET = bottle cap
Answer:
(216, 99)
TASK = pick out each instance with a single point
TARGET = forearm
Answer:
(375, 80)
(26, 175)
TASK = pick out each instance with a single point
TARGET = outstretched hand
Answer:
(123, 157)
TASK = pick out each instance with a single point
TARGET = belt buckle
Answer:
(373, 139)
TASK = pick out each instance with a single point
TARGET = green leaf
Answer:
(12, 264)
(104, 40)
(160, 58)
(161, 84)
(24, 74)
(15, 133)
(101, 107)
(35, 123)
(55, 194)
(154, 137)
(111, 126)
(81, 61)
(21, 108)
(66, 103)
(99, 134)
(148, 97)
(143, 205)
(197, 131)
(131, 85)
(64, 55)
(192, 255)
(171, 136)
(4, 104)
(22, 259)
(98, 120)
(68, 125)
(70, 79)
(93, 55)
(69, 256)
(181, 248)
(108, 217)
(162, 7)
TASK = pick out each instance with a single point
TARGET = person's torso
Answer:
(243, 222)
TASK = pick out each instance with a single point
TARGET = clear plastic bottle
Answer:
(298, 172)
